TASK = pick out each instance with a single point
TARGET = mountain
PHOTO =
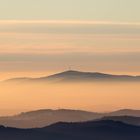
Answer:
(41, 118)
(101, 130)
(126, 119)
(76, 76)
(98, 130)
(125, 112)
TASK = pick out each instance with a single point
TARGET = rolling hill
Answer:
(41, 118)
(98, 130)
(126, 119)
(77, 76)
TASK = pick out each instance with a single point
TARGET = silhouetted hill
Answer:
(76, 76)
(125, 112)
(41, 118)
(126, 119)
(99, 130)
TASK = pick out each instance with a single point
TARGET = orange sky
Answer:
(40, 47)
(32, 49)
(39, 38)
(98, 97)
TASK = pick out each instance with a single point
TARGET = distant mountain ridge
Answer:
(125, 112)
(45, 117)
(76, 76)
(125, 119)
(98, 130)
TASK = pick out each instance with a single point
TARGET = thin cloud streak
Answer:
(67, 22)
(39, 44)
(128, 62)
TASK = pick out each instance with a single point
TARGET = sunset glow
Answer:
(42, 38)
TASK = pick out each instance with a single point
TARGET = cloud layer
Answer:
(91, 45)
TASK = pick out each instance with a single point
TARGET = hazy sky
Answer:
(117, 10)
(50, 35)
(41, 37)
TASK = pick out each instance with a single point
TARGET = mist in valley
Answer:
(94, 96)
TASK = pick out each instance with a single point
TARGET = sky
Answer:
(48, 36)
(116, 10)
(42, 37)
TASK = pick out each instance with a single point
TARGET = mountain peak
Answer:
(71, 71)
(79, 76)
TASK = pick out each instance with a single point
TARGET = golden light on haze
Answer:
(41, 45)
(39, 38)
(40, 48)
(98, 97)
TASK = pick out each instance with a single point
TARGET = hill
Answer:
(41, 118)
(77, 76)
(126, 119)
(45, 117)
(98, 130)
